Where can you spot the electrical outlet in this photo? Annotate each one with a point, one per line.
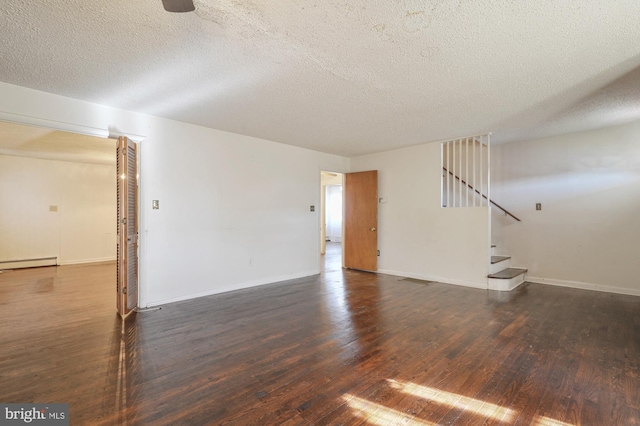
(378, 252)
(155, 204)
(312, 208)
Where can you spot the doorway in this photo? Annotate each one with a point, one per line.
(59, 198)
(331, 217)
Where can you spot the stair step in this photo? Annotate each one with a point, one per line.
(507, 274)
(496, 259)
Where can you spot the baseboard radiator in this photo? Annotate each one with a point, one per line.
(28, 263)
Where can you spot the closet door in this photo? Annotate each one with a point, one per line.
(127, 263)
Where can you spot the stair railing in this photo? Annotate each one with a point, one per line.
(466, 163)
(506, 212)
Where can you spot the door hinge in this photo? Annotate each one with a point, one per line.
(124, 290)
(124, 220)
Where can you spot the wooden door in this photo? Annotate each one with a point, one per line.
(127, 275)
(361, 221)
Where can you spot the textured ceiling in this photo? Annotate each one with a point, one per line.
(36, 142)
(346, 77)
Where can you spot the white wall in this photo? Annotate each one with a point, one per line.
(234, 210)
(83, 227)
(587, 234)
(417, 237)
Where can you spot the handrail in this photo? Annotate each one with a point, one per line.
(506, 212)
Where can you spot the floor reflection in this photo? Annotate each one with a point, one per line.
(335, 304)
(351, 305)
(124, 372)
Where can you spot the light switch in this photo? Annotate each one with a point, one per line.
(155, 204)
(538, 206)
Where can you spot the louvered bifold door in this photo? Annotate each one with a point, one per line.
(127, 281)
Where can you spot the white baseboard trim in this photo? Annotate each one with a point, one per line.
(426, 277)
(233, 287)
(29, 263)
(81, 261)
(584, 286)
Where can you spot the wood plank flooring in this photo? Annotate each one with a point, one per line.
(342, 348)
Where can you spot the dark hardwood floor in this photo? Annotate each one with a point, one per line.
(342, 348)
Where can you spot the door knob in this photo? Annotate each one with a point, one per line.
(372, 229)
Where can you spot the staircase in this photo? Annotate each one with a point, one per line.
(501, 276)
(465, 183)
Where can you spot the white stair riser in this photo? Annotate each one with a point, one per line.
(505, 284)
(497, 267)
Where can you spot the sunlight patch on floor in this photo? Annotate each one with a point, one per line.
(453, 400)
(380, 415)
(547, 421)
